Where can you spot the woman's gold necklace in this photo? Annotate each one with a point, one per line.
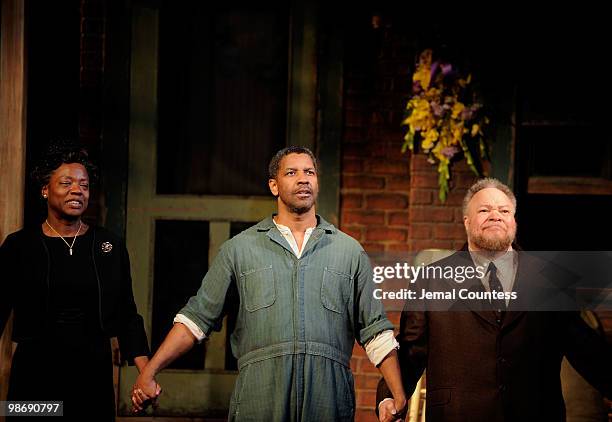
(73, 240)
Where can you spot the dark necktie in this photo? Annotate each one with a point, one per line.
(499, 303)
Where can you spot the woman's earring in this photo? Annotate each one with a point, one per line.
(45, 195)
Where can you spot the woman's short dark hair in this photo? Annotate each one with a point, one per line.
(274, 165)
(62, 152)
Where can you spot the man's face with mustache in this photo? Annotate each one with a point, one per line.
(490, 223)
(296, 185)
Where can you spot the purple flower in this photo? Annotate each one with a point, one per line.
(449, 152)
(437, 109)
(467, 113)
(434, 69)
(447, 68)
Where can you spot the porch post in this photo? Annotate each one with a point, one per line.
(12, 142)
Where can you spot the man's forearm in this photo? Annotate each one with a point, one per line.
(390, 370)
(178, 341)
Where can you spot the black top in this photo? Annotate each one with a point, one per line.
(73, 288)
(67, 325)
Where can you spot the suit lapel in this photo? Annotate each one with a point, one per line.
(524, 277)
(482, 308)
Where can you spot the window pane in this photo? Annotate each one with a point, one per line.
(222, 96)
(236, 227)
(181, 261)
(565, 150)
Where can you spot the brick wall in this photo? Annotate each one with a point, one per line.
(434, 224)
(389, 199)
(375, 185)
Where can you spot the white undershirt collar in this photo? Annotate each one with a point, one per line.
(286, 232)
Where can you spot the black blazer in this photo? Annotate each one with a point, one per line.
(479, 370)
(24, 287)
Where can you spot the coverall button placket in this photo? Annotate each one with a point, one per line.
(299, 269)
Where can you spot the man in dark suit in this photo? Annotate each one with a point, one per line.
(494, 359)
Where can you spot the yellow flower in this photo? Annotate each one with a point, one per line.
(437, 151)
(475, 129)
(458, 130)
(444, 138)
(412, 103)
(457, 109)
(432, 94)
(420, 118)
(422, 75)
(430, 137)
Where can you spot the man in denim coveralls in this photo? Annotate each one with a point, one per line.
(305, 291)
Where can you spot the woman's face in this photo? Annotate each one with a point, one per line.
(68, 191)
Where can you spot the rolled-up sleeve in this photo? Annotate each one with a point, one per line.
(191, 326)
(206, 308)
(380, 346)
(371, 318)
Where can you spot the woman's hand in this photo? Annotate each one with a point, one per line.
(146, 390)
(392, 410)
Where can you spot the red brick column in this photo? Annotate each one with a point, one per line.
(375, 195)
(389, 200)
(433, 224)
(387, 210)
(375, 187)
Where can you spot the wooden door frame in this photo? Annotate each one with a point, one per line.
(12, 142)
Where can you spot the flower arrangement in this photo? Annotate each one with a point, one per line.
(444, 119)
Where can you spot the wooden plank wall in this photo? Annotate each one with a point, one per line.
(12, 141)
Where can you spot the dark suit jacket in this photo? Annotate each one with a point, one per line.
(479, 370)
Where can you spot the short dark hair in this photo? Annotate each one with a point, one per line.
(487, 182)
(274, 165)
(64, 151)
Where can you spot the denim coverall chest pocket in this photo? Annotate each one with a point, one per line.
(258, 288)
(336, 290)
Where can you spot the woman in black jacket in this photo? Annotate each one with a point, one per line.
(69, 286)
